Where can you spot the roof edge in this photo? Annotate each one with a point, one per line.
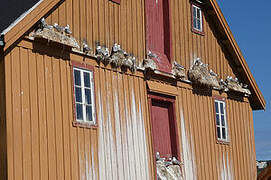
(14, 23)
(221, 18)
(30, 17)
(27, 20)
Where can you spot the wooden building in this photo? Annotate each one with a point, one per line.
(124, 89)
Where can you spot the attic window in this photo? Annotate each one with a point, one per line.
(83, 86)
(197, 24)
(221, 120)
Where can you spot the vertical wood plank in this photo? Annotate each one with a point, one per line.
(56, 78)
(33, 87)
(66, 120)
(17, 123)
(25, 110)
(9, 115)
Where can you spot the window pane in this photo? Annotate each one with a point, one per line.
(223, 120)
(221, 108)
(77, 78)
(218, 133)
(88, 96)
(198, 13)
(194, 23)
(216, 107)
(87, 79)
(78, 94)
(217, 119)
(223, 133)
(89, 113)
(194, 12)
(79, 111)
(199, 24)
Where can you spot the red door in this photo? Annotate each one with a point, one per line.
(158, 31)
(164, 133)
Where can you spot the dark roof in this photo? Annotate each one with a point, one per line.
(10, 10)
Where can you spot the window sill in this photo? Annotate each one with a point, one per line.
(222, 142)
(198, 32)
(87, 125)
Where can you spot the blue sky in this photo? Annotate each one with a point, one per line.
(250, 22)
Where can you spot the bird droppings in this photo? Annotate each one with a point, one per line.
(226, 172)
(190, 171)
(55, 33)
(126, 157)
(199, 73)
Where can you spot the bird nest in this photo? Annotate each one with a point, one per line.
(56, 34)
(200, 74)
(168, 169)
(235, 85)
(178, 71)
(168, 172)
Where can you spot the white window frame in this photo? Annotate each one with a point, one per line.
(195, 18)
(84, 101)
(220, 126)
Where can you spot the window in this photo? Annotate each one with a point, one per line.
(158, 32)
(84, 96)
(221, 121)
(197, 25)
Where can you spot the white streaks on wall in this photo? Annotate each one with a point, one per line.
(82, 171)
(93, 165)
(123, 152)
(111, 149)
(226, 168)
(118, 135)
(143, 139)
(101, 154)
(188, 152)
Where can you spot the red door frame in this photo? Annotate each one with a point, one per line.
(165, 66)
(172, 111)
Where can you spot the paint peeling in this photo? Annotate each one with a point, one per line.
(188, 153)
